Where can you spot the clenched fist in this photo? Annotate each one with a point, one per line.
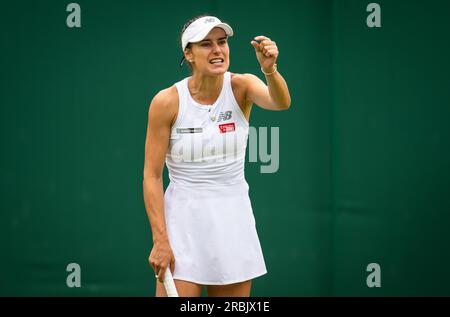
(266, 52)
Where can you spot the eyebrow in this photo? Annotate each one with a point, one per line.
(209, 40)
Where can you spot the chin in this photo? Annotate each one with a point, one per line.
(218, 70)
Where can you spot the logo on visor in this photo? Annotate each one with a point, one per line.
(210, 20)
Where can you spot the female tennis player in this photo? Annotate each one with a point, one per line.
(203, 226)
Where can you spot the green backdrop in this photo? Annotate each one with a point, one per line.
(364, 171)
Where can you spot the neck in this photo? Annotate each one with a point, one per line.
(205, 89)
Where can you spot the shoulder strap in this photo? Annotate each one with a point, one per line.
(232, 99)
(182, 99)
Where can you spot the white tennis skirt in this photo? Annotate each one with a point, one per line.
(212, 234)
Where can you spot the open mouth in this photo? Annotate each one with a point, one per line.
(216, 61)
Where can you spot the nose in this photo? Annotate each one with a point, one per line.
(216, 47)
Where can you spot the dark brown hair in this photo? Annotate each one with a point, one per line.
(185, 26)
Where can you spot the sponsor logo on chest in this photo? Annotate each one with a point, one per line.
(189, 130)
(227, 127)
(224, 116)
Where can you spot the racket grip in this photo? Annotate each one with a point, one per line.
(169, 284)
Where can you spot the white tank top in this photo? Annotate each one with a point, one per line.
(207, 142)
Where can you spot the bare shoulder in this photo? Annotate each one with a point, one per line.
(240, 80)
(240, 84)
(166, 98)
(164, 104)
(237, 78)
(243, 79)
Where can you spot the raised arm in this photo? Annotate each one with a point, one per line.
(161, 115)
(275, 95)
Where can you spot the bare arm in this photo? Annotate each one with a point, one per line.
(275, 95)
(160, 117)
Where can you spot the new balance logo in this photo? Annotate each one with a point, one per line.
(223, 116)
(210, 20)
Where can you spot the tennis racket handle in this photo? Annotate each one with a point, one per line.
(169, 284)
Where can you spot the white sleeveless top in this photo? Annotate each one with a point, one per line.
(208, 142)
(208, 212)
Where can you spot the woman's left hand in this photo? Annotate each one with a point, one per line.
(266, 52)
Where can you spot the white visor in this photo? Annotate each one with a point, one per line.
(200, 28)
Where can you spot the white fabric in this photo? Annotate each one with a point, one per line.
(200, 28)
(209, 217)
(208, 157)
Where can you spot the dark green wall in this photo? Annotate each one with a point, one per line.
(390, 148)
(364, 150)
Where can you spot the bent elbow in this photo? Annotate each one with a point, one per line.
(285, 105)
(288, 105)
